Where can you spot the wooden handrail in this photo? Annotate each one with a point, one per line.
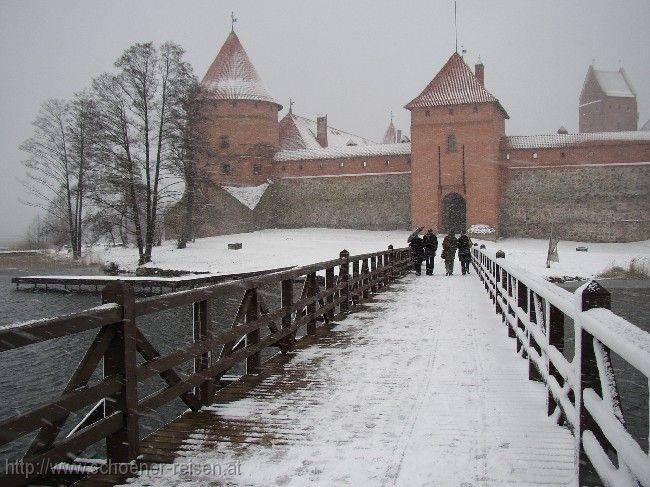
(119, 340)
(582, 391)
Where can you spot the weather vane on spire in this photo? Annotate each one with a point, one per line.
(456, 26)
(391, 116)
(233, 19)
(290, 105)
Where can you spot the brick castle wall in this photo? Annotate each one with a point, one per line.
(608, 203)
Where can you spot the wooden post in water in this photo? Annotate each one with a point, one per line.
(344, 277)
(120, 360)
(202, 331)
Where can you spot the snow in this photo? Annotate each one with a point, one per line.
(248, 196)
(548, 141)
(349, 175)
(480, 229)
(614, 83)
(298, 132)
(264, 249)
(530, 254)
(413, 390)
(345, 151)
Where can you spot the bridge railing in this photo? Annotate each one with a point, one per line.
(326, 290)
(581, 391)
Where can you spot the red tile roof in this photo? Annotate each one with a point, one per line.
(232, 76)
(455, 84)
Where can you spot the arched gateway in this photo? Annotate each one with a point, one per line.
(454, 213)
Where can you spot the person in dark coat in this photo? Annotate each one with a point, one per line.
(449, 246)
(417, 248)
(464, 252)
(430, 247)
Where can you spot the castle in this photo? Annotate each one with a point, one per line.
(458, 170)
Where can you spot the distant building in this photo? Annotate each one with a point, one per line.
(459, 169)
(607, 102)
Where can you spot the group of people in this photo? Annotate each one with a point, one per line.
(425, 248)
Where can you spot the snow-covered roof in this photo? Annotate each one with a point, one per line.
(564, 140)
(455, 84)
(297, 132)
(344, 151)
(614, 83)
(232, 76)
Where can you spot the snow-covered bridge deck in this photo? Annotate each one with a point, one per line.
(422, 387)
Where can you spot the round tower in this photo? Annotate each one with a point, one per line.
(241, 119)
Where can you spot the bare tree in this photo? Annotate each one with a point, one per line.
(140, 108)
(62, 152)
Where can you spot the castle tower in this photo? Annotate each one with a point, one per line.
(607, 102)
(456, 126)
(241, 117)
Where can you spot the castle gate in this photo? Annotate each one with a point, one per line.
(454, 213)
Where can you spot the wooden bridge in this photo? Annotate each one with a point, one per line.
(397, 380)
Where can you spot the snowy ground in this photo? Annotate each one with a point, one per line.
(531, 254)
(279, 248)
(422, 388)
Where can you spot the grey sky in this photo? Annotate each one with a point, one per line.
(354, 60)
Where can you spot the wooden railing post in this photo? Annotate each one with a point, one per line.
(254, 362)
(286, 300)
(593, 296)
(344, 277)
(311, 308)
(330, 283)
(555, 333)
(373, 270)
(365, 280)
(355, 285)
(202, 331)
(120, 361)
(391, 263)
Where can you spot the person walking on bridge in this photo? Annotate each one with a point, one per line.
(430, 247)
(449, 246)
(417, 249)
(464, 252)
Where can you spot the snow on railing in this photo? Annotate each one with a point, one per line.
(582, 391)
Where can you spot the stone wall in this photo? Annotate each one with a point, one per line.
(608, 203)
(378, 202)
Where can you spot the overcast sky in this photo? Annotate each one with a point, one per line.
(353, 60)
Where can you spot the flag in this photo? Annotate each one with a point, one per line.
(552, 256)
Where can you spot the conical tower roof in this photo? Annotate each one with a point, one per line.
(455, 84)
(390, 137)
(232, 76)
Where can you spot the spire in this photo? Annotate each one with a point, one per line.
(390, 136)
(233, 19)
(232, 76)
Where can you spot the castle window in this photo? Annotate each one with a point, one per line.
(320, 165)
(387, 162)
(224, 141)
(225, 168)
(451, 143)
(341, 165)
(534, 155)
(475, 109)
(257, 169)
(365, 164)
(300, 167)
(451, 111)
(508, 156)
(562, 154)
(408, 160)
(427, 113)
(284, 168)
(255, 104)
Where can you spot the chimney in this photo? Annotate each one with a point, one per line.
(321, 130)
(399, 136)
(479, 72)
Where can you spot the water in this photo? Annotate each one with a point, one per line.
(32, 375)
